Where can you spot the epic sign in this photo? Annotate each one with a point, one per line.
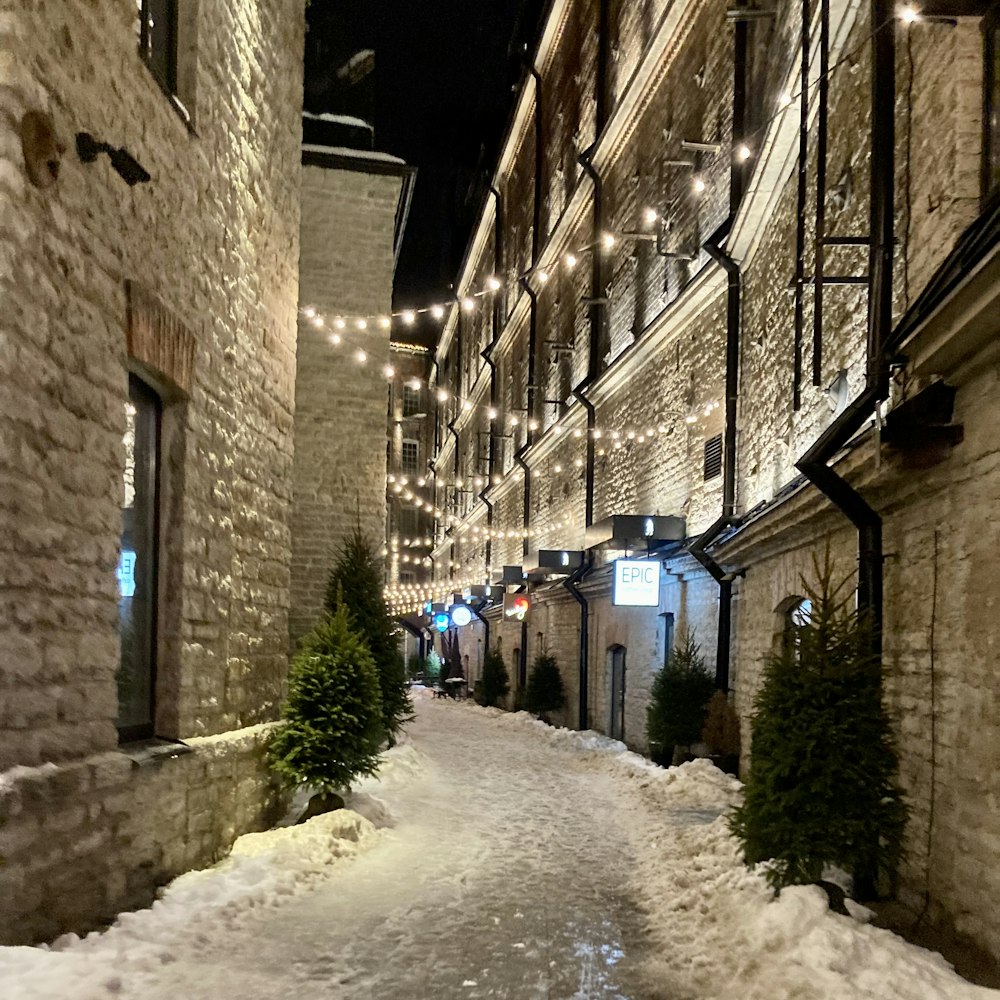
(637, 583)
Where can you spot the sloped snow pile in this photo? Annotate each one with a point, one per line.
(261, 871)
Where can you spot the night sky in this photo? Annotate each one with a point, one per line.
(440, 97)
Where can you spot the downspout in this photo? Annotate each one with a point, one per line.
(598, 322)
(699, 547)
(478, 612)
(727, 517)
(814, 464)
(570, 583)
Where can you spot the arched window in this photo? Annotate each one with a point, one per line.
(793, 615)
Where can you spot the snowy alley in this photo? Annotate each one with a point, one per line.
(495, 857)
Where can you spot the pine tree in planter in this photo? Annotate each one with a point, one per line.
(495, 683)
(821, 788)
(678, 699)
(332, 728)
(356, 583)
(545, 687)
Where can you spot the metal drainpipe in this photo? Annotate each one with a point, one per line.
(814, 463)
(570, 583)
(478, 612)
(728, 517)
(497, 321)
(529, 415)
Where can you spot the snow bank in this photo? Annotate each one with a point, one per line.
(262, 870)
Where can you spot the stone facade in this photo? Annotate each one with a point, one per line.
(659, 135)
(190, 282)
(350, 203)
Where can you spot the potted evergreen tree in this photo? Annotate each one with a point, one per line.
(495, 683)
(821, 789)
(545, 692)
(356, 583)
(332, 730)
(678, 699)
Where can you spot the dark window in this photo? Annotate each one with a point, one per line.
(158, 40)
(991, 105)
(409, 521)
(713, 457)
(410, 457)
(411, 400)
(668, 636)
(137, 565)
(407, 577)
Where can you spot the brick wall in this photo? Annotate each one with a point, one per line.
(340, 440)
(212, 239)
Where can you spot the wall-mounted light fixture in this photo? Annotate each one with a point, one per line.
(126, 165)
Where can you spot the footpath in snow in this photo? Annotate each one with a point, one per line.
(493, 857)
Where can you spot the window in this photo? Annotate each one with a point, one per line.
(409, 521)
(411, 400)
(795, 616)
(157, 30)
(713, 457)
(991, 104)
(668, 636)
(410, 457)
(137, 564)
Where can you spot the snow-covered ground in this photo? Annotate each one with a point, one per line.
(494, 857)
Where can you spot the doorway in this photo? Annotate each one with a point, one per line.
(616, 702)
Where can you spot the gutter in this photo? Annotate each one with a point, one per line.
(728, 516)
(814, 463)
(570, 584)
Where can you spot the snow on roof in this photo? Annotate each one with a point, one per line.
(339, 119)
(361, 154)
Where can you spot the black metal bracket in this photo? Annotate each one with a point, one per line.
(125, 164)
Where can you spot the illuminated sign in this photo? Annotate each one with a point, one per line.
(442, 621)
(515, 606)
(126, 573)
(636, 583)
(461, 615)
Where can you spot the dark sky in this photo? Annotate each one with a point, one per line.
(440, 97)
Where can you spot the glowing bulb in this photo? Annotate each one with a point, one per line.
(468, 304)
(514, 421)
(698, 184)
(493, 283)
(649, 216)
(409, 317)
(743, 152)
(360, 357)
(607, 241)
(557, 468)
(335, 339)
(690, 418)
(909, 14)
(570, 260)
(597, 433)
(491, 413)
(785, 100)
(466, 405)
(577, 433)
(437, 311)
(421, 481)
(317, 321)
(532, 425)
(340, 324)
(442, 396)
(384, 322)
(543, 276)
(389, 371)
(308, 312)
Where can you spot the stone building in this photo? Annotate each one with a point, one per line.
(640, 339)
(149, 212)
(354, 208)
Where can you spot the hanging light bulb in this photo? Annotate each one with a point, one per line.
(468, 304)
(389, 371)
(317, 321)
(532, 425)
(360, 357)
(743, 152)
(785, 100)
(437, 311)
(557, 468)
(409, 317)
(361, 324)
(493, 283)
(491, 413)
(442, 396)
(335, 339)
(698, 183)
(909, 14)
(466, 405)
(570, 260)
(543, 276)
(514, 421)
(649, 216)
(607, 241)
(340, 323)
(308, 312)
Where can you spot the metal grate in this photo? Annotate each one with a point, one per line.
(713, 457)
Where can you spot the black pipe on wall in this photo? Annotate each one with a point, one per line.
(814, 464)
(570, 583)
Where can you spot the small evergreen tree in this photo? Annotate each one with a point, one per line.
(545, 692)
(678, 699)
(821, 788)
(356, 583)
(332, 728)
(495, 682)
